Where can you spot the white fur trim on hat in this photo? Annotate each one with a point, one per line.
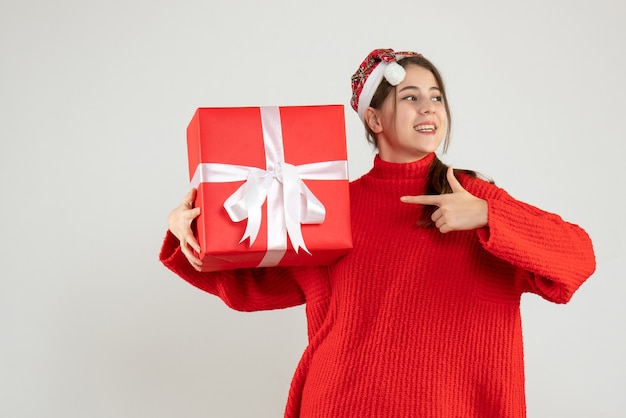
(393, 72)
(370, 86)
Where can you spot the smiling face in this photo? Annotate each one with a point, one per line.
(412, 121)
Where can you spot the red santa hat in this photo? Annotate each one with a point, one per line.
(378, 64)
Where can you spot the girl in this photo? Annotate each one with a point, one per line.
(422, 317)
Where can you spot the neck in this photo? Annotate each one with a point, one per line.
(402, 171)
(400, 158)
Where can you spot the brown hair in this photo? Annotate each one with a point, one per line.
(437, 179)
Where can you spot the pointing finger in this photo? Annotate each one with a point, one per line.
(422, 200)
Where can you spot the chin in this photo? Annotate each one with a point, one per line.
(430, 146)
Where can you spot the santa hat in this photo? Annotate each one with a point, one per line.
(378, 64)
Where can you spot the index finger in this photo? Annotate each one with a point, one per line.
(422, 200)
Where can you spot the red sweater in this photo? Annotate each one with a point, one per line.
(412, 322)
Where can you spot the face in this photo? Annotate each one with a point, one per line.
(417, 125)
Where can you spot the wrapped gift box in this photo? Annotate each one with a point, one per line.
(272, 184)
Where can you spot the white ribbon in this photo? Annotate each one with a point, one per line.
(290, 202)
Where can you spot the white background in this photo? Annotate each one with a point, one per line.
(95, 98)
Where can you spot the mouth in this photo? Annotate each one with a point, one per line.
(425, 127)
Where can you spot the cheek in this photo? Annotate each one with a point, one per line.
(442, 115)
(405, 114)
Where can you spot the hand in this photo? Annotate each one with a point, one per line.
(457, 211)
(179, 223)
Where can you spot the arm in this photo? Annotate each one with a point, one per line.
(244, 289)
(557, 256)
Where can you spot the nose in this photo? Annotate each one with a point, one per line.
(427, 107)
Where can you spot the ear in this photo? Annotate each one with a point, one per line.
(372, 118)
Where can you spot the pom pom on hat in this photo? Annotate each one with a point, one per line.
(394, 73)
(378, 64)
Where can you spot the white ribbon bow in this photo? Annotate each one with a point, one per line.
(290, 202)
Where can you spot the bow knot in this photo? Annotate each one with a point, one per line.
(298, 204)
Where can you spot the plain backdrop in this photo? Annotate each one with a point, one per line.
(95, 97)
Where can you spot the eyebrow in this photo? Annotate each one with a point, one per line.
(417, 88)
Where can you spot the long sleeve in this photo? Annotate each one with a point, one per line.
(556, 256)
(249, 289)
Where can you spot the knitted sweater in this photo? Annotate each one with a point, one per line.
(413, 322)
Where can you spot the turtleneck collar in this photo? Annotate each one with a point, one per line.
(401, 171)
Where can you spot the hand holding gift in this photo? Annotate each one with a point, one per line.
(179, 223)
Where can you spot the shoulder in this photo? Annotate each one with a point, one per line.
(477, 184)
(358, 182)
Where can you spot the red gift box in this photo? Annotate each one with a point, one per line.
(272, 184)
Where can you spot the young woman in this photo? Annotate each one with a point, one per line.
(422, 317)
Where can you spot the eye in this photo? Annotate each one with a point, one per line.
(410, 98)
(437, 99)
